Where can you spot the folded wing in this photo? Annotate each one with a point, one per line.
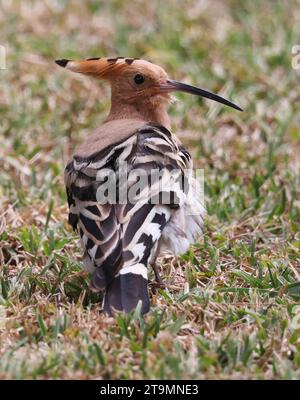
(120, 238)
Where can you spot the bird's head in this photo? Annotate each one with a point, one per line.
(137, 86)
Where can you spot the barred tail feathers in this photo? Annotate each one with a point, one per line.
(140, 241)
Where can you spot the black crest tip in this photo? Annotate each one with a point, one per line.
(62, 62)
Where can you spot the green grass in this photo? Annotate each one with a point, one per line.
(232, 304)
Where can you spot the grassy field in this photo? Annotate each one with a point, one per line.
(231, 308)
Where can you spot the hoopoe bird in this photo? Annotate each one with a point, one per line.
(121, 239)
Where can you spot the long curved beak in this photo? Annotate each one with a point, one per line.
(183, 87)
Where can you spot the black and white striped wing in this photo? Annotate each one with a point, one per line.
(120, 240)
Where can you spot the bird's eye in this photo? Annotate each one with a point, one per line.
(139, 79)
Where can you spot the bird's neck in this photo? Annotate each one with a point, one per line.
(149, 111)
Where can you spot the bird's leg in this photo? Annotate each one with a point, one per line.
(158, 281)
(157, 275)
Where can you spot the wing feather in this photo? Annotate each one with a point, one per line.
(122, 237)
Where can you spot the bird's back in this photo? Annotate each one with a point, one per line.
(122, 235)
